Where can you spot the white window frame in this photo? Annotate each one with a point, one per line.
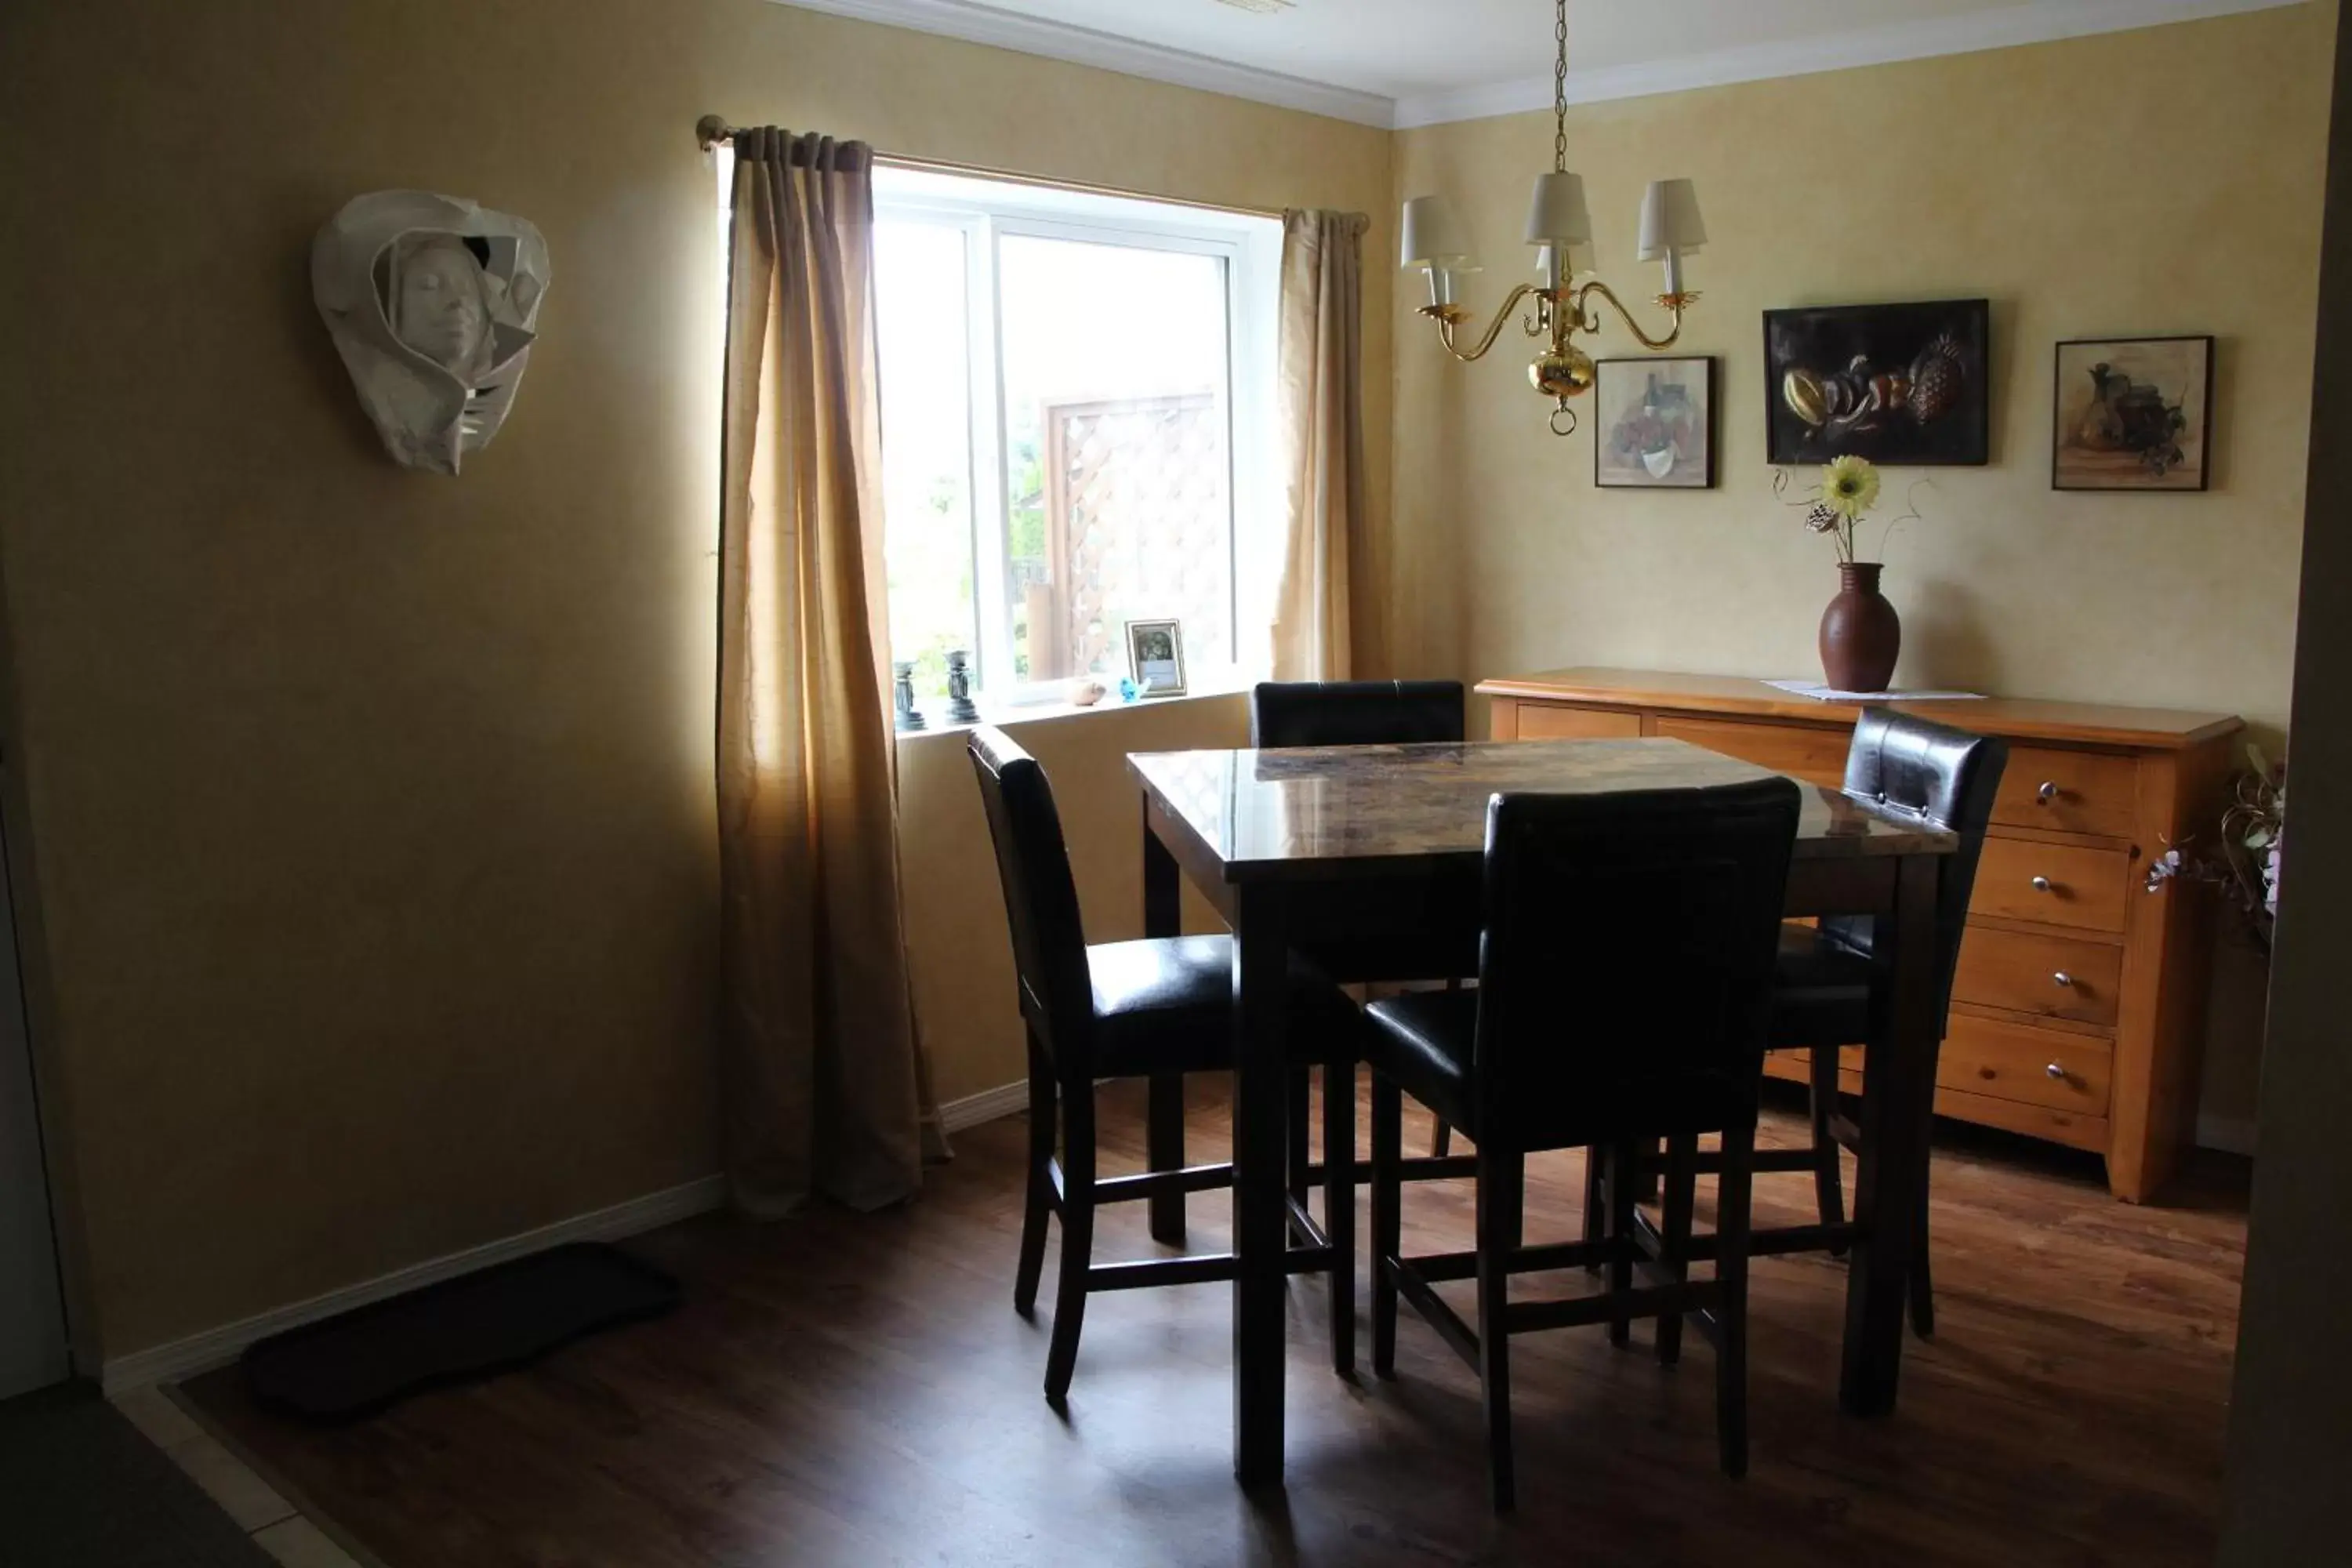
(988, 211)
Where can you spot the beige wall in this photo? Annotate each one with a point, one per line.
(372, 809)
(2162, 181)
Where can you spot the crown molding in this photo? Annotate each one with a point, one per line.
(2041, 22)
(976, 24)
(2035, 22)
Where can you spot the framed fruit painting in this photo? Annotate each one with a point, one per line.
(1899, 385)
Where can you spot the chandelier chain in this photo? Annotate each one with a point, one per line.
(1559, 88)
(1561, 307)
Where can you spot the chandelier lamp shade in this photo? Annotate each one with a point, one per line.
(1671, 227)
(1560, 228)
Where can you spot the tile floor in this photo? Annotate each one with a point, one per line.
(277, 1526)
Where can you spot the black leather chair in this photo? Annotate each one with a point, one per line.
(1367, 713)
(1355, 713)
(1829, 989)
(1132, 1009)
(1624, 991)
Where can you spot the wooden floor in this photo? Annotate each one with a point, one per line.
(856, 1390)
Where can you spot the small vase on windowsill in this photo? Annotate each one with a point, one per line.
(1861, 636)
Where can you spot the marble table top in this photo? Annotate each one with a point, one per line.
(1318, 811)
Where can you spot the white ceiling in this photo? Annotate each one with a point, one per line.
(1418, 62)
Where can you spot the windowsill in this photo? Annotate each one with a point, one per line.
(1008, 716)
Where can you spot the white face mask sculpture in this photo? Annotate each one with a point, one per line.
(431, 301)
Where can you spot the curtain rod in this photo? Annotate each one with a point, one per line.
(710, 131)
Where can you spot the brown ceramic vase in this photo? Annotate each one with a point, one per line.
(1861, 635)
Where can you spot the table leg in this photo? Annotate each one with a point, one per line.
(1162, 908)
(1261, 1229)
(1163, 1128)
(1897, 1116)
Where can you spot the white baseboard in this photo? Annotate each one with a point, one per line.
(1005, 1099)
(218, 1347)
(2232, 1134)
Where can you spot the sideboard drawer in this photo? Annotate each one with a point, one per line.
(1552, 721)
(2026, 972)
(2033, 1067)
(2074, 791)
(2058, 884)
(1799, 751)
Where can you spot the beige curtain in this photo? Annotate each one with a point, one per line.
(1320, 413)
(825, 1084)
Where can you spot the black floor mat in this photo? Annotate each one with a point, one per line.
(81, 1487)
(502, 1317)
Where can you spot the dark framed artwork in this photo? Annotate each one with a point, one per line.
(1653, 423)
(1899, 385)
(2133, 414)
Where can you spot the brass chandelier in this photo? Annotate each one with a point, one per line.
(1561, 228)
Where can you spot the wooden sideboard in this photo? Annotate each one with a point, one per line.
(2078, 1011)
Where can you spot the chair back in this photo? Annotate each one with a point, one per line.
(1040, 897)
(1625, 980)
(1355, 713)
(1946, 778)
(1361, 941)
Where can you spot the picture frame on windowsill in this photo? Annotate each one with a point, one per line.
(1155, 658)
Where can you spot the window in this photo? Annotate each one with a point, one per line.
(1077, 397)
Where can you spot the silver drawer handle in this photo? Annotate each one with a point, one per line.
(2063, 978)
(2040, 884)
(2056, 1070)
(2047, 793)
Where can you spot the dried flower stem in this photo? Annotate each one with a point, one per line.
(1910, 514)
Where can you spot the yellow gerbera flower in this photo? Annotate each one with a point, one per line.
(1850, 487)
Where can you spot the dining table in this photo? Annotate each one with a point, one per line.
(1293, 847)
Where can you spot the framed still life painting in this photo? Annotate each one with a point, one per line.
(2133, 414)
(1654, 424)
(1899, 385)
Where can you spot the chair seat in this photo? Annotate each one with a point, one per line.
(1165, 1004)
(1820, 992)
(1422, 1040)
(1351, 959)
(1390, 931)
(1820, 997)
